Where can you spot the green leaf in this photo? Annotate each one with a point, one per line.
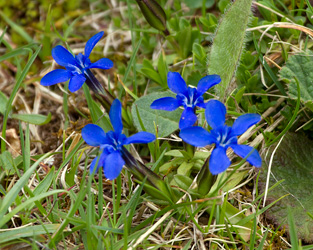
(228, 44)
(17, 52)
(152, 74)
(11, 195)
(96, 113)
(209, 22)
(299, 66)
(16, 87)
(163, 70)
(25, 142)
(185, 42)
(46, 41)
(267, 13)
(44, 185)
(239, 94)
(2, 34)
(183, 181)
(195, 4)
(132, 60)
(205, 179)
(19, 29)
(292, 230)
(199, 54)
(6, 161)
(174, 153)
(30, 231)
(234, 180)
(185, 168)
(26, 203)
(202, 155)
(292, 162)
(165, 121)
(167, 167)
(33, 118)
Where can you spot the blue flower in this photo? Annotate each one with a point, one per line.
(223, 136)
(77, 68)
(188, 97)
(111, 143)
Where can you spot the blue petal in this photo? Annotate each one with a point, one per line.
(243, 150)
(243, 122)
(188, 118)
(196, 136)
(215, 113)
(176, 83)
(207, 82)
(94, 135)
(103, 63)
(113, 165)
(116, 116)
(201, 105)
(100, 162)
(55, 76)
(92, 42)
(141, 137)
(76, 82)
(165, 103)
(62, 56)
(219, 161)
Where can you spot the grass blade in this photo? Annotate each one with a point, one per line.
(292, 231)
(13, 94)
(23, 232)
(12, 194)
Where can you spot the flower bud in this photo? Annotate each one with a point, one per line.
(154, 14)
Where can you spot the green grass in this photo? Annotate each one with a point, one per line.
(50, 200)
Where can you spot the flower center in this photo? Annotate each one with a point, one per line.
(190, 100)
(80, 64)
(224, 137)
(191, 96)
(116, 140)
(80, 59)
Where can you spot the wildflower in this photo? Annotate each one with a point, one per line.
(111, 143)
(188, 97)
(77, 68)
(223, 136)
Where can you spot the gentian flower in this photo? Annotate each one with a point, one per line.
(77, 68)
(188, 97)
(111, 143)
(223, 136)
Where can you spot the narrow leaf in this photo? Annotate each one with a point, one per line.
(33, 118)
(29, 231)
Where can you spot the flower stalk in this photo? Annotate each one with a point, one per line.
(103, 95)
(141, 172)
(205, 179)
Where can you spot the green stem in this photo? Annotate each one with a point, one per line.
(205, 179)
(153, 181)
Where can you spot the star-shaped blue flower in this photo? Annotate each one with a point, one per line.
(77, 68)
(111, 143)
(223, 136)
(188, 97)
